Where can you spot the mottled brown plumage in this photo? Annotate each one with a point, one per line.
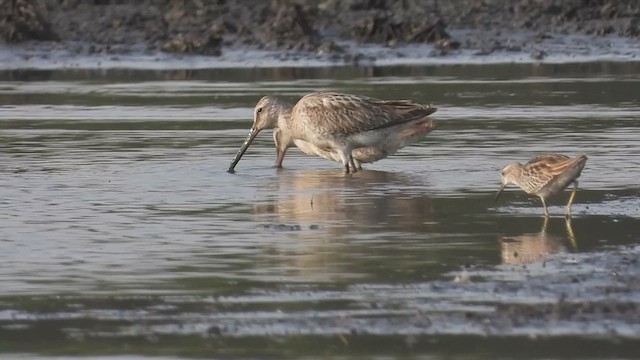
(334, 123)
(345, 114)
(545, 175)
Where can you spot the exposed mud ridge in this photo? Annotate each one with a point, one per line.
(22, 20)
(206, 27)
(586, 294)
(589, 295)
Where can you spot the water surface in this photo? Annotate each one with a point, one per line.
(122, 233)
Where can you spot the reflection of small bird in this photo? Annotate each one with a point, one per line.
(526, 248)
(544, 176)
(337, 124)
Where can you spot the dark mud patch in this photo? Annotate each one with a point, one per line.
(23, 20)
(287, 227)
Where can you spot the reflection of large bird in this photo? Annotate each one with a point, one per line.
(544, 176)
(328, 198)
(327, 208)
(526, 248)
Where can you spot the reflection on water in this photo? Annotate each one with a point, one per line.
(343, 202)
(502, 72)
(530, 247)
(339, 206)
(119, 224)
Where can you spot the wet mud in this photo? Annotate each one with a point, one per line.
(312, 28)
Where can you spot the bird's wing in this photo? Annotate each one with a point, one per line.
(544, 168)
(344, 114)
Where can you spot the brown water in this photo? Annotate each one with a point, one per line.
(122, 234)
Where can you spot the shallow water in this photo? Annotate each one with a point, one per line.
(122, 233)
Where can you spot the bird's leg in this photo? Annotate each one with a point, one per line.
(347, 167)
(346, 160)
(352, 164)
(544, 224)
(546, 212)
(567, 212)
(570, 233)
(279, 158)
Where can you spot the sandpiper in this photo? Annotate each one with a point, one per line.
(545, 175)
(334, 124)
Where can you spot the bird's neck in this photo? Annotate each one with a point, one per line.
(517, 175)
(284, 116)
(284, 120)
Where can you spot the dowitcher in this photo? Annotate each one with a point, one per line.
(544, 176)
(334, 124)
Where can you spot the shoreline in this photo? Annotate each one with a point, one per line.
(60, 56)
(47, 34)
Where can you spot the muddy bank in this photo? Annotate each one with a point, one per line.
(312, 28)
(585, 294)
(588, 296)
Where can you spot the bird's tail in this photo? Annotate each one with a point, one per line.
(415, 130)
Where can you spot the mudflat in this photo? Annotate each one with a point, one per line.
(322, 28)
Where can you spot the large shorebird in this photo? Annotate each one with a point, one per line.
(333, 125)
(544, 176)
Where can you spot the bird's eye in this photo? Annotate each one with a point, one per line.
(259, 110)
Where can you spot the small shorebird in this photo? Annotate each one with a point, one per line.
(404, 135)
(331, 124)
(544, 176)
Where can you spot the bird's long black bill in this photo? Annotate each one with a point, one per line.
(252, 135)
(499, 192)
